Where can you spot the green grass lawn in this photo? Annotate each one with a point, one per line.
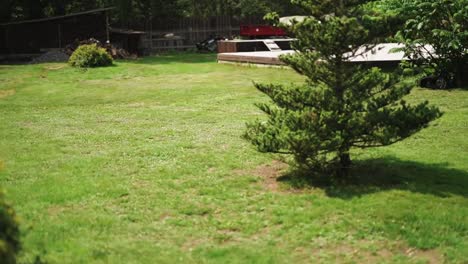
(143, 162)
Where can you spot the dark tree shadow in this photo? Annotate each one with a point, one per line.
(388, 173)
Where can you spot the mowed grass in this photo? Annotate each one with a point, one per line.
(144, 162)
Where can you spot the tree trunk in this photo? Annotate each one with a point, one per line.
(345, 163)
(461, 75)
(5, 11)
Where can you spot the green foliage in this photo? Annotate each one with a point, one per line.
(9, 232)
(88, 56)
(442, 24)
(131, 12)
(272, 18)
(388, 14)
(341, 105)
(393, 8)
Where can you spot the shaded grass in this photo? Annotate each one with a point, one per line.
(139, 163)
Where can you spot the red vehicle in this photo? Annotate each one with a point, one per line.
(261, 31)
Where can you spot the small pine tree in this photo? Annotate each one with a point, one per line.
(341, 105)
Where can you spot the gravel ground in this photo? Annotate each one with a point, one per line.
(51, 56)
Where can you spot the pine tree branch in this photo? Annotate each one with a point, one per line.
(281, 152)
(373, 145)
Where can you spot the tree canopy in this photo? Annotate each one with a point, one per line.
(128, 10)
(442, 24)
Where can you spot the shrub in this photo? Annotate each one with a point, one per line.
(87, 56)
(9, 232)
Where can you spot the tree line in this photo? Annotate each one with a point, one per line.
(131, 11)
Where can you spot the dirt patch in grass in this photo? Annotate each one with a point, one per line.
(165, 216)
(194, 243)
(269, 174)
(234, 236)
(57, 210)
(54, 67)
(432, 256)
(140, 183)
(360, 252)
(6, 93)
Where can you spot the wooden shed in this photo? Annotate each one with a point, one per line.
(127, 39)
(30, 36)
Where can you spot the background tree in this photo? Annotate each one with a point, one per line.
(341, 105)
(391, 14)
(442, 24)
(133, 11)
(6, 10)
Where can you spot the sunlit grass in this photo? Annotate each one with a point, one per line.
(143, 162)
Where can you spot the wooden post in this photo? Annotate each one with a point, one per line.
(151, 33)
(59, 26)
(230, 27)
(107, 27)
(6, 39)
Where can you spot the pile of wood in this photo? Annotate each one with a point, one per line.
(116, 53)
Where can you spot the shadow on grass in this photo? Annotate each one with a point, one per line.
(388, 173)
(178, 57)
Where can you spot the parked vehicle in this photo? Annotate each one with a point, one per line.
(261, 31)
(209, 44)
(442, 80)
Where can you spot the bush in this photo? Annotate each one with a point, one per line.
(87, 56)
(9, 232)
